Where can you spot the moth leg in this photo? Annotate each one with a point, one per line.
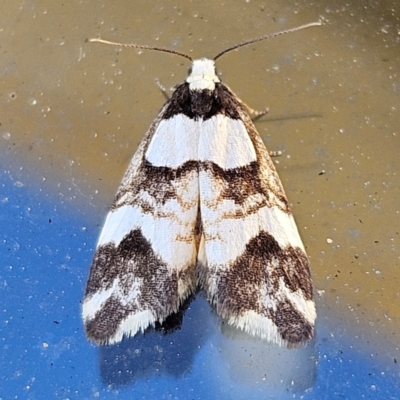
(163, 89)
(275, 153)
(255, 114)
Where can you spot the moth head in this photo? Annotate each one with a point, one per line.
(202, 75)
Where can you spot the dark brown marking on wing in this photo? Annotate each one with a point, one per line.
(132, 260)
(255, 276)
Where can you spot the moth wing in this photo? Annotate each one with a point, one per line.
(144, 264)
(252, 261)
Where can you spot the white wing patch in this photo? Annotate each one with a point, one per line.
(178, 140)
(174, 142)
(156, 229)
(232, 135)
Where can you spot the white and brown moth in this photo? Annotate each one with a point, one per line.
(201, 204)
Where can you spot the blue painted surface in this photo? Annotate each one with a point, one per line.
(46, 255)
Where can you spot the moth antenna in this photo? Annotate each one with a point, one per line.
(136, 46)
(269, 36)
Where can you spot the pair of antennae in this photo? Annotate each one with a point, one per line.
(269, 36)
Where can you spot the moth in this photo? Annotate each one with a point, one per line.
(201, 205)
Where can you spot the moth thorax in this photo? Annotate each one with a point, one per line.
(202, 75)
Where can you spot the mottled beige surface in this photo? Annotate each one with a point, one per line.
(72, 114)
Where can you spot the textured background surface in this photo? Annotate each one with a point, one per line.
(72, 114)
